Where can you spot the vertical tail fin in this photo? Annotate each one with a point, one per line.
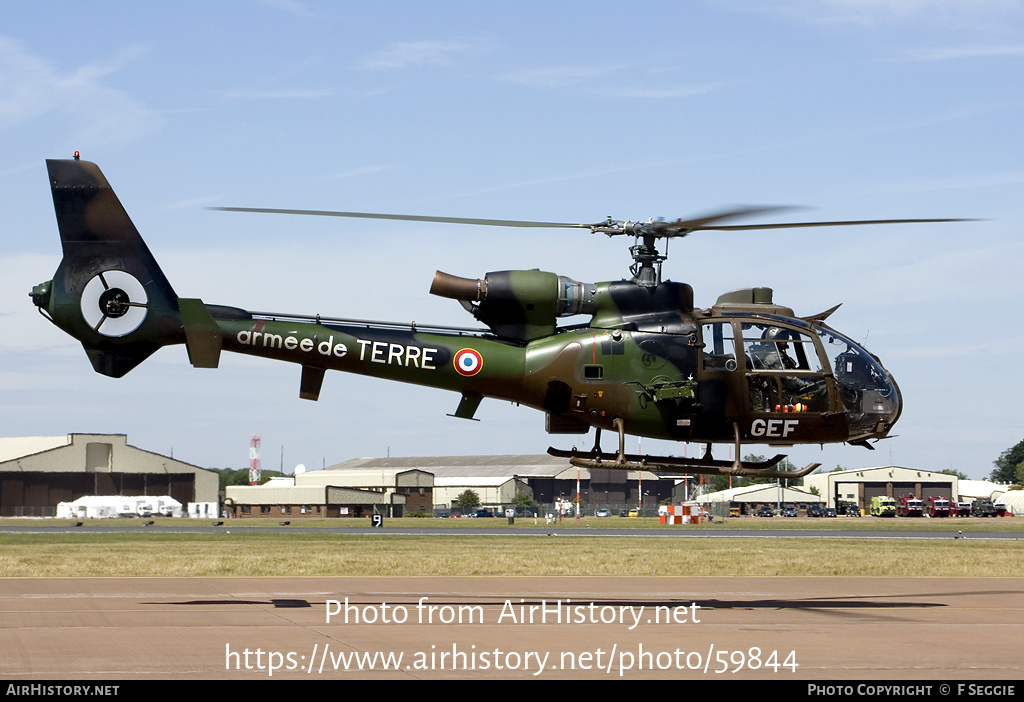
(108, 292)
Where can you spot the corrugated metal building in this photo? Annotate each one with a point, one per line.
(36, 473)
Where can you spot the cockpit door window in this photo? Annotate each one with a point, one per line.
(784, 371)
(719, 346)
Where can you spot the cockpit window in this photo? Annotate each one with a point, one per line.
(774, 348)
(784, 371)
(719, 346)
(867, 391)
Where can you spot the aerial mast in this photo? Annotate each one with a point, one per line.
(254, 461)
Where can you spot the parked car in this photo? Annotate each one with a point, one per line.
(765, 511)
(603, 512)
(815, 511)
(482, 513)
(789, 512)
(829, 512)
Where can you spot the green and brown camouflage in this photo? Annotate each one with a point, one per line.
(645, 362)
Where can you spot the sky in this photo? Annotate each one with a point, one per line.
(567, 111)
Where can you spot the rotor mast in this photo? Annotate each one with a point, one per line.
(646, 268)
(647, 260)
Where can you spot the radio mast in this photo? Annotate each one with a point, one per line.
(254, 461)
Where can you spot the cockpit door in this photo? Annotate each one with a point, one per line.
(720, 373)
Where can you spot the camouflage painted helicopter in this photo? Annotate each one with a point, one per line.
(646, 363)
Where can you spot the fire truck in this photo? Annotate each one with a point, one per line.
(883, 507)
(910, 506)
(939, 507)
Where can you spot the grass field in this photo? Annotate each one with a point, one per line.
(241, 551)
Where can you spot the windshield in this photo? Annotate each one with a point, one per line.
(868, 392)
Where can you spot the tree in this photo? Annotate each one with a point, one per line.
(231, 476)
(467, 500)
(1007, 463)
(521, 500)
(719, 482)
(784, 464)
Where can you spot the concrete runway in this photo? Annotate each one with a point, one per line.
(485, 628)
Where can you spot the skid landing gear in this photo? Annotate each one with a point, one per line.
(706, 465)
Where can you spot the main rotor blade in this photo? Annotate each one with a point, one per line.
(792, 225)
(695, 223)
(407, 218)
(658, 228)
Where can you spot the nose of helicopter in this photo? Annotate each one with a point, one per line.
(888, 406)
(872, 399)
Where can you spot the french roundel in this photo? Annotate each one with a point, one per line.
(468, 362)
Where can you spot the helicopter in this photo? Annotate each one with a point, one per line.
(646, 362)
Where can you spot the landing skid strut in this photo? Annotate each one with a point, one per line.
(706, 465)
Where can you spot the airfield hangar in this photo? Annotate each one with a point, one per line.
(859, 486)
(37, 473)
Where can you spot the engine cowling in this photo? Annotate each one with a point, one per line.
(520, 305)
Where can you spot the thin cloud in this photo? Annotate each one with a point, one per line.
(416, 53)
(873, 13)
(292, 7)
(559, 77)
(31, 88)
(359, 172)
(600, 81)
(295, 94)
(956, 53)
(666, 93)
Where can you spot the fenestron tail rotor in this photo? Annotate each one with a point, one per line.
(114, 303)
